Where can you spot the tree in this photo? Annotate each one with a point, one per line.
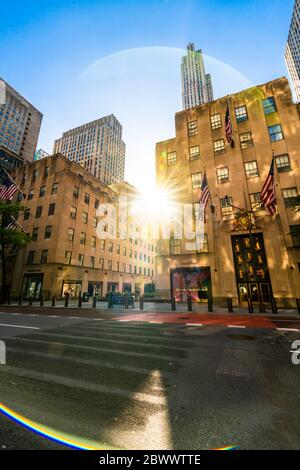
(11, 240)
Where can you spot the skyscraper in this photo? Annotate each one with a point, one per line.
(292, 50)
(98, 147)
(20, 124)
(196, 84)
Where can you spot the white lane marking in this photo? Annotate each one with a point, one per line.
(287, 329)
(99, 319)
(73, 318)
(194, 324)
(158, 322)
(20, 326)
(236, 326)
(123, 320)
(55, 316)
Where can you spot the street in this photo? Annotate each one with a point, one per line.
(120, 383)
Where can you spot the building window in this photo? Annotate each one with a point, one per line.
(35, 232)
(101, 263)
(82, 238)
(124, 250)
(48, 231)
(73, 212)
(93, 242)
(44, 256)
(51, 209)
(241, 113)
(275, 133)
(26, 214)
(295, 234)
(70, 234)
(102, 244)
(38, 212)
(30, 194)
(290, 196)
(269, 105)
(194, 152)
(76, 191)
(118, 249)
(215, 121)
(92, 262)
(202, 246)
(95, 222)
(30, 257)
(196, 207)
(226, 209)
(80, 259)
(96, 204)
(196, 180)
(192, 128)
(219, 147)
(42, 191)
(110, 247)
(283, 163)
(223, 174)
(251, 169)
(47, 169)
(172, 158)
(109, 264)
(173, 183)
(175, 246)
(68, 257)
(87, 198)
(124, 267)
(84, 217)
(54, 188)
(255, 201)
(246, 140)
(35, 175)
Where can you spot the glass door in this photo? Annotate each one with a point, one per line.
(265, 292)
(254, 292)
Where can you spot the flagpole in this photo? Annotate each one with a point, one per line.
(13, 182)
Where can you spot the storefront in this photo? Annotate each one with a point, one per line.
(112, 287)
(95, 288)
(32, 286)
(72, 287)
(126, 287)
(194, 282)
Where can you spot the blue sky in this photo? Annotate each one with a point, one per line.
(68, 59)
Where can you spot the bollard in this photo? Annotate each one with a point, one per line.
(30, 301)
(53, 301)
(210, 304)
(274, 306)
(250, 305)
(298, 305)
(126, 301)
(42, 301)
(262, 307)
(189, 303)
(141, 303)
(173, 304)
(229, 304)
(109, 300)
(20, 300)
(94, 301)
(80, 301)
(66, 300)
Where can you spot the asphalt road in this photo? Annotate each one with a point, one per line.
(134, 385)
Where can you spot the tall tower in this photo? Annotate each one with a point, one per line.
(196, 84)
(98, 147)
(292, 50)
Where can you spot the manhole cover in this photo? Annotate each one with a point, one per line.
(241, 337)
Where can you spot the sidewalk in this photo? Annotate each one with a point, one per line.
(149, 307)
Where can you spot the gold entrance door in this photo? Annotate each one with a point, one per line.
(265, 292)
(243, 294)
(254, 292)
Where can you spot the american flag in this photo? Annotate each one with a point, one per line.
(7, 189)
(204, 196)
(11, 224)
(228, 126)
(267, 195)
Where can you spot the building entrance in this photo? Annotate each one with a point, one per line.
(251, 269)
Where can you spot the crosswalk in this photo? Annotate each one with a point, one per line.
(107, 383)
